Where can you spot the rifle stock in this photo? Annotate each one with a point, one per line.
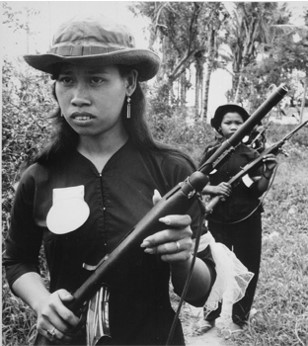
(176, 201)
(273, 149)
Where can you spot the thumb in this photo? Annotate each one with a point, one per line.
(64, 295)
(156, 197)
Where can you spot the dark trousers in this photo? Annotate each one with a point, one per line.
(244, 239)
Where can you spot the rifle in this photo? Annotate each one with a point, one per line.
(257, 143)
(254, 140)
(273, 149)
(178, 200)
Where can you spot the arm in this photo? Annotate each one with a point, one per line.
(201, 282)
(22, 246)
(269, 164)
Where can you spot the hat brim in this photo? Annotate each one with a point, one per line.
(224, 109)
(144, 61)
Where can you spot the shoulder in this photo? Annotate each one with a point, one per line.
(169, 167)
(32, 175)
(174, 160)
(209, 150)
(34, 171)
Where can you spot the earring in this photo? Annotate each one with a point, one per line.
(128, 108)
(62, 115)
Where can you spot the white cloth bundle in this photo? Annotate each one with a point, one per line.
(232, 280)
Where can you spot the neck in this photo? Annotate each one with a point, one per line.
(101, 148)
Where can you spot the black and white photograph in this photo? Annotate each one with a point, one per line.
(154, 173)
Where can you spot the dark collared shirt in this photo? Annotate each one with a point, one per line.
(243, 200)
(118, 197)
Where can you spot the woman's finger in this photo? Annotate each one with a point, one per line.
(55, 319)
(181, 256)
(54, 335)
(176, 221)
(61, 310)
(166, 236)
(156, 197)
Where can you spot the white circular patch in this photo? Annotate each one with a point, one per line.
(69, 210)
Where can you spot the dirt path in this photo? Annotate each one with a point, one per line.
(191, 319)
(211, 338)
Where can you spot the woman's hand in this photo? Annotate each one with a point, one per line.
(54, 319)
(223, 189)
(174, 243)
(269, 164)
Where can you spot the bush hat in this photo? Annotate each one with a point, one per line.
(95, 39)
(224, 109)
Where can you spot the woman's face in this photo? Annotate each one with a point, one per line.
(91, 97)
(230, 123)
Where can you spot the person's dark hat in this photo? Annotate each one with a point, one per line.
(224, 109)
(96, 39)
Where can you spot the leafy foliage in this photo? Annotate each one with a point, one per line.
(255, 37)
(26, 105)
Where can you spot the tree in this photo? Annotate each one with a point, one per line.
(18, 21)
(185, 31)
(214, 20)
(290, 54)
(250, 34)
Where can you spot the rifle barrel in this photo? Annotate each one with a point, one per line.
(247, 126)
(291, 133)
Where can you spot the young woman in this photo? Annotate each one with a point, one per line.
(236, 221)
(94, 182)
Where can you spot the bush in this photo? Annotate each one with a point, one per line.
(175, 125)
(27, 102)
(276, 132)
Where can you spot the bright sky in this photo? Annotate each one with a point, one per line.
(53, 13)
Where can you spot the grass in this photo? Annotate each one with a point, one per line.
(282, 296)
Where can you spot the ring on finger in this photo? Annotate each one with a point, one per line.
(178, 245)
(51, 332)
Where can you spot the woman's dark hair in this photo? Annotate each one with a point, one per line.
(64, 139)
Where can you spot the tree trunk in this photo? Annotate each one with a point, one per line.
(183, 89)
(209, 69)
(303, 101)
(238, 87)
(198, 86)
